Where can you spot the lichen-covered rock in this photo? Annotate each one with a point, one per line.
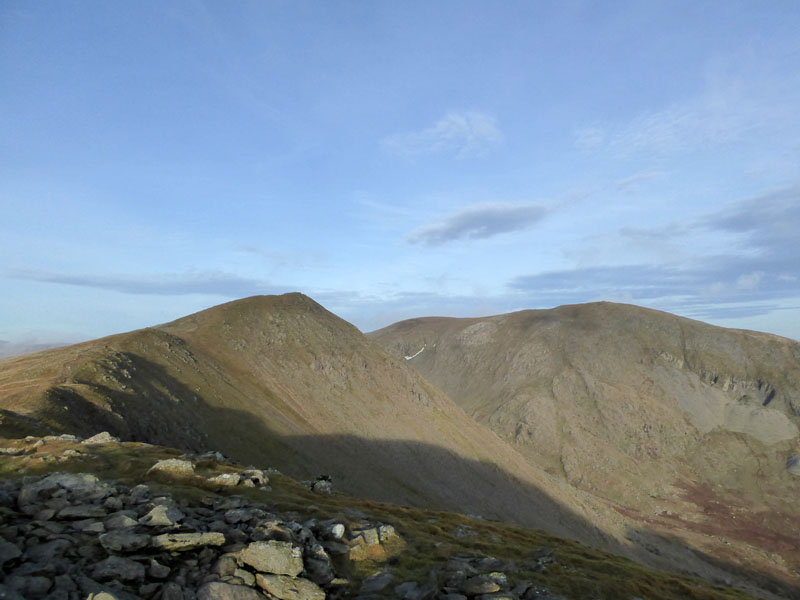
(225, 479)
(280, 558)
(289, 588)
(218, 590)
(173, 466)
(162, 516)
(481, 584)
(101, 438)
(178, 542)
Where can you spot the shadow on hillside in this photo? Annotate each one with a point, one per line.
(157, 408)
(662, 546)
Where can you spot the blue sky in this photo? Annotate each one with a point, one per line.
(396, 159)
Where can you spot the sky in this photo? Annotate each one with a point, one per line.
(396, 159)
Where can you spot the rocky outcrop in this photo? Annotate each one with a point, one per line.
(67, 536)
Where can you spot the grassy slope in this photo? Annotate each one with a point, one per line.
(629, 404)
(579, 571)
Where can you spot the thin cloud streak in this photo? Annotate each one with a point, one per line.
(460, 134)
(212, 283)
(479, 222)
(761, 270)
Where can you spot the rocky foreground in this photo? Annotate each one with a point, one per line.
(74, 536)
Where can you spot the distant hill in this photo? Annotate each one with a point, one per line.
(566, 436)
(686, 427)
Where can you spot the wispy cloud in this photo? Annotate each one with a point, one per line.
(460, 134)
(761, 269)
(210, 282)
(741, 101)
(479, 222)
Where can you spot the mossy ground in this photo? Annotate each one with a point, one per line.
(429, 537)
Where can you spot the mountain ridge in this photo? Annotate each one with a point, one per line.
(281, 379)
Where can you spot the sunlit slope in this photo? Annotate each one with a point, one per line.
(278, 379)
(686, 426)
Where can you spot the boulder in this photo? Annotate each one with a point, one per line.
(218, 590)
(377, 582)
(82, 511)
(289, 588)
(8, 551)
(124, 541)
(225, 479)
(177, 542)
(173, 466)
(162, 516)
(120, 521)
(481, 584)
(117, 567)
(280, 558)
(100, 438)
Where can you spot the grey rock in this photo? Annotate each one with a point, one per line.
(48, 485)
(246, 576)
(238, 515)
(335, 548)
(369, 536)
(289, 588)
(319, 567)
(411, 590)
(139, 493)
(12, 451)
(481, 584)
(158, 571)
(225, 479)
(48, 551)
(162, 516)
(65, 582)
(29, 587)
(90, 526)
(281, 558)
(377, 582)
(82, 511)
(8, 551)
(257, 476)
(322, 486)
(113, 503)
(124, 541)
(102, 596)
(173, 466)
(172, 591)
(120, 521)
(177, 542)
(226, 565)
(218, 590)
(117, 567)
(386, 532)
(148, 589)
(100, 438)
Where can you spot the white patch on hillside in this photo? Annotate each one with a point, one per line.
(415, 355)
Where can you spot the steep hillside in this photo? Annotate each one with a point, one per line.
(280, 380)
(689, 428)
